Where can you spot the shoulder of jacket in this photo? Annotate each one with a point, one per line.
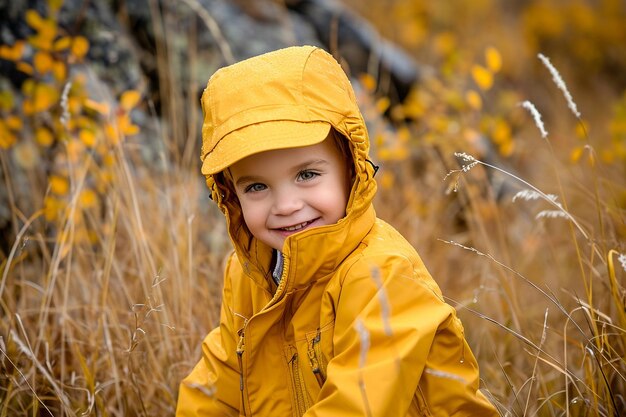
(381, 261)
(230, 261)
(373, 259)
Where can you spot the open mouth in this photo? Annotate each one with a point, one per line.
(296, 227)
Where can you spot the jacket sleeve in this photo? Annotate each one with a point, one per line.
(399, 349)
(212, 387)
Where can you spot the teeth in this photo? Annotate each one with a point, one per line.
(296, 227)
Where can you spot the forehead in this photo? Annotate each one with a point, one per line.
(263, 163)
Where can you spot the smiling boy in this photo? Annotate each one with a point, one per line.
(326, 309)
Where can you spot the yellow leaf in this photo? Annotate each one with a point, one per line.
(502, 132)
(125, 125)
(493, 59)
(102, 108)
(93, 238)
(87, 137)
(507, 148)
(51, 208)
(7, 138)
(413, 33)
(131, 130)
(75, 105)
(482, 77)
(445, 43)
(80, 46)
(62, 44)
(80, 234)
(111, 134)
(40, 42)
(18, 49)
(382, 104)
(28, 87)
(24, 67)
(43, 136)
(474, 100)
(397, 112)
(88, 198)
(13, 122)
(404, 135)
(6, 52)
(576, 153)
(368, 82)
(59, 70)
(59, 185)
(33, 19)
(12, 53)
(43, 62)
(384, 154)
(27, 107)
(129, 99)
(44, 97)
(48, 32)
(440, 124)
(6, 141)
(108, 160)
(6, 100)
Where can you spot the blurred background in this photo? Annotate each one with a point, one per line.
(111, 251)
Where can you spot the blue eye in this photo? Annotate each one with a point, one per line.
(255, 188)
(307, 175)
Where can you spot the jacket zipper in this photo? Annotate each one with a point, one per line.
(318, 363)
(240, 349)
(299, 389)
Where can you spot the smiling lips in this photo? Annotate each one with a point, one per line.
(296, 227)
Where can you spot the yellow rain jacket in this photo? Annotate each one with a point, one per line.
(357, 326)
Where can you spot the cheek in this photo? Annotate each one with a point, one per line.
(253, 215)
(335, 199)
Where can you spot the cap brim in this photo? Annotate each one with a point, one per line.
(261, 137)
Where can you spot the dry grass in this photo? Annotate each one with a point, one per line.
(103, 306)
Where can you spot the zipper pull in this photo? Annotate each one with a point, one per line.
(240, 349)
(240, 345)
(315, 366)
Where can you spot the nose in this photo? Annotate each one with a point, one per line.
(286, 201)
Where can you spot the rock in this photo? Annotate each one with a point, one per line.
(350, 37)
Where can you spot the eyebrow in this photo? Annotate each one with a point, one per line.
(300, 167)
(309, 163)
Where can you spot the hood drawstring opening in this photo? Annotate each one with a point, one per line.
(376, 167)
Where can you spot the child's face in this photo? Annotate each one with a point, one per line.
(285, 191)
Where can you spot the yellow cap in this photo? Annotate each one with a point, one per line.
(282, 99)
